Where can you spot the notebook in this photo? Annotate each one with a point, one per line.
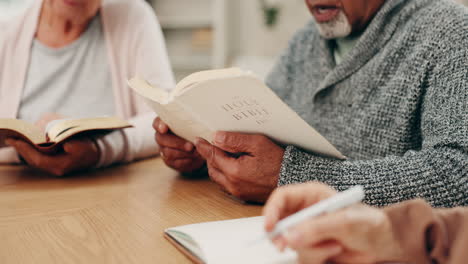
(231, 241)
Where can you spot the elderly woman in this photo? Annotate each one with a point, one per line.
(72, 58)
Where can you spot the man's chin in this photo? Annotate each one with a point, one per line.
(337, 28)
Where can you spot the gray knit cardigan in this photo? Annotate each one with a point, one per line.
(396, 105)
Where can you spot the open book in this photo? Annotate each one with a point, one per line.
(231, 241)
(57, 131)
(230, 100)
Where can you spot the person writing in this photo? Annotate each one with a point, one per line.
(410, 232)
(383, 81)
(72, 58)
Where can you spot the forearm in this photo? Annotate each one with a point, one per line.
(437, 175)
(130, 144)
(427, 235)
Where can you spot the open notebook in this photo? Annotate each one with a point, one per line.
(231, 241)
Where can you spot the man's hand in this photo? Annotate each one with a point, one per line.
(78, 154)
(176, 152)
(358, 234)
(246, 166)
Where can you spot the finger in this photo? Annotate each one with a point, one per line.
(160, 126)
(32, 156)
(219, 178)
(76, 146)
(292, 198)
(320, 254)
(183, 165)
(174, 142)
(280, 243)
(236, 142)
(156, 123)
(318, 230)
(175, 154)
(283, 202)
(25, 150)
(216, 157)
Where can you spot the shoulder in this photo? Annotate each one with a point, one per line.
(306, 35)
(14, 27)
(302, 44)
(133, 11)
(441, 25)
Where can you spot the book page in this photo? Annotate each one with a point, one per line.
(67, 128)
(146, 90)
(181, 122)
(235, 241)
(20, 129)
(245, 104)
(197, 77)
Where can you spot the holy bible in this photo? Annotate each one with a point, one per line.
(230, 100)
(57, 131)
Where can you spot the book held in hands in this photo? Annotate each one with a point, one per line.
(231, 100)
(57, 131)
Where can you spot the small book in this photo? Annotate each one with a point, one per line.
(231, 241)
(231, 100)
(57, 131)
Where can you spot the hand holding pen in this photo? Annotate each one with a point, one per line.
(352, 234)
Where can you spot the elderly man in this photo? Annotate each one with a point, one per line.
(72, 58)
(385, 81)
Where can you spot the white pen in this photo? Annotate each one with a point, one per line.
(334, 203)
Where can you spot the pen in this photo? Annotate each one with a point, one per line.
(334, 203)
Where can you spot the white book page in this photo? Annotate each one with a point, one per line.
(170, 111)
(244, 104)
(236, 241)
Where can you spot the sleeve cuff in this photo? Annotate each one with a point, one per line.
(297, 166)
(9, 155)
(112, 148)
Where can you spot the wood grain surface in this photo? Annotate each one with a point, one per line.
(116, 215)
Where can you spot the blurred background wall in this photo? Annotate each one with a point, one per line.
(204, 34)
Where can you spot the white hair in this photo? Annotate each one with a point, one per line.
(337, 28)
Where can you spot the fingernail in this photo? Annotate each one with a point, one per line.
(188, 146)
(220, 137)
(198, 142)
(161, 128)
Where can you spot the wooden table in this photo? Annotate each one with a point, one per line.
(116, 215)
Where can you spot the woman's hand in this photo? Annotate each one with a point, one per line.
(176, 152)
(358, 234)
(78, 154)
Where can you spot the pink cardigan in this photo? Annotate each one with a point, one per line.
(135, 44)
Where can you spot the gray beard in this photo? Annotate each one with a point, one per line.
(337, 28)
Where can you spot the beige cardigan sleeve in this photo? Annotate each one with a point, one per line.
(430, 235)
(150, 60)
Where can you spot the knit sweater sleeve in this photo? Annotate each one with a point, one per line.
(438, 172)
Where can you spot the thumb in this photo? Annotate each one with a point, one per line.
(70, 146)
(234, 142)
